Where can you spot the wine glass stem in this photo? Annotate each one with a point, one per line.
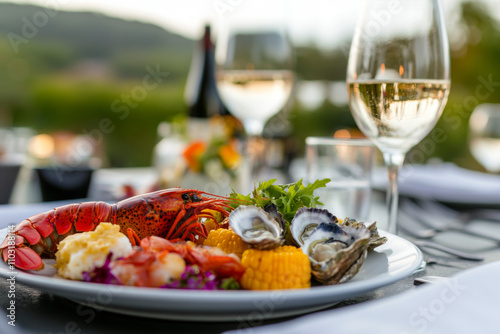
(394, 162)
(253, 154)
(256, 147)
(253, 128)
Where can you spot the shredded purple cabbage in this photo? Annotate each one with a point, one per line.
(102, 274)
(194, 279)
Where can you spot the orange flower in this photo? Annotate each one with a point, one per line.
(230, 157)
(193, 153)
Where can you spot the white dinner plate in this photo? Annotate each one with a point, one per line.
(395, 260)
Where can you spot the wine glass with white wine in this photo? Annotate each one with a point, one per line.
(398, 79)
(484, 136)
(254, 79)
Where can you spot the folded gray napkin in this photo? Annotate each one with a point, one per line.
(445, 182)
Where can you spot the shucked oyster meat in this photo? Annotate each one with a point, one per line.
(336, 253)
(306, 220)
(257, 227)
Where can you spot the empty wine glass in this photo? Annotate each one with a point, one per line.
(484, 136)
(254, 79)
(398, 79)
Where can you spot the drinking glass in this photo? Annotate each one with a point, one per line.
(348, 163)
(484, 136)
(254, 79)
(398, 79)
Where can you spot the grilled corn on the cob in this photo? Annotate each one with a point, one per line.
(226, 240)
(285, 267)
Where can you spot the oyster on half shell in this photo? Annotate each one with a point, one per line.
(255, 226)
(336, 250)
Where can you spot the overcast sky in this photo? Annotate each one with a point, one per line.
(325, 22)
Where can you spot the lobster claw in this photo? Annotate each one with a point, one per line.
(25, 258)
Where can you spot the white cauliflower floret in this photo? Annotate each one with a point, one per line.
(85, 251)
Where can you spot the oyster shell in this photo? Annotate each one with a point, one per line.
(257, 227)
(375, 238)
(272, 210)
(306, 220)
(336, 252)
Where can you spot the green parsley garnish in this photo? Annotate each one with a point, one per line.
(288, 197)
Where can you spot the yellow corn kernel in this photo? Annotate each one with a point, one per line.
(226, 240)
(285, 267)
(210, 223)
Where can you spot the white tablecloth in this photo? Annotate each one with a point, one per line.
(467, 303)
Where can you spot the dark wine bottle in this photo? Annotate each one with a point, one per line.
(201, 92)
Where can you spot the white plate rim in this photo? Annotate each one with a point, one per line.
(218, 305)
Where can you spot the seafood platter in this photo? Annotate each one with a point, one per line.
(177, 240)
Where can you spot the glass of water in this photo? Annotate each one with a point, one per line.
(348, 163)
(484, 136)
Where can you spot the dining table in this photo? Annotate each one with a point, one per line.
(40, 311)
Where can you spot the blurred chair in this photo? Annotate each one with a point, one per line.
(13, 155)
(64, 164)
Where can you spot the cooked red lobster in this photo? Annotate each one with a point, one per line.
(172, 214)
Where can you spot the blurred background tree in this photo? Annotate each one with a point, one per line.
(81, 67)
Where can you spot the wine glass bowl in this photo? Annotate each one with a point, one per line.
(398, 79)
(254, 75)
(484, 136)
(254, 79)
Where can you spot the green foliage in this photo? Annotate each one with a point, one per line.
(69, 75)
(472, 64)
(289, 198)
(89, 35)
(314, 64)
(80, 107)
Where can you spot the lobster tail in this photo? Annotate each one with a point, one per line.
(24, 258)
(81, 217)
(15, 252)
(40, 234)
